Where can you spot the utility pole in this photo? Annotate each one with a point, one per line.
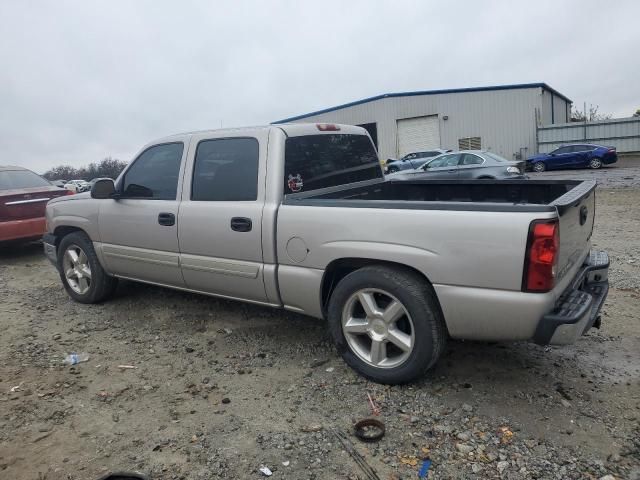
(585, 121)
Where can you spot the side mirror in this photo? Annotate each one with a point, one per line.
(103, 188)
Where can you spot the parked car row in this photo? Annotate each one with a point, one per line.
(482, 164)
(573, 156)
(411, 161)
(465, 165)
(78, 186)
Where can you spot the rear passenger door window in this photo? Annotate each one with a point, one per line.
(226, 169)
(154, 174)
(469, 159)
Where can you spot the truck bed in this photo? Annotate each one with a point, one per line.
(491, 195)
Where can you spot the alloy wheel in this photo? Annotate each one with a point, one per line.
(378, 328)
(77, 269)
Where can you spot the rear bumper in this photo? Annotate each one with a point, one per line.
(31, 228)
(578, 308)
(50, 249)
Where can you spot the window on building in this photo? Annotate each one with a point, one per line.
(470, 143)
(226, 169)
(154, 174)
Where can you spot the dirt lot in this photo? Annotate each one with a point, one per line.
(222, 388)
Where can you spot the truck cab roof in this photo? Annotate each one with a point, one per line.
(290, 129)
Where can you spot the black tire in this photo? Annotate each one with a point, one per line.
(539, 167)
(102, 286)
(419, 300)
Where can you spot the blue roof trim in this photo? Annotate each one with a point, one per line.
(427, 92)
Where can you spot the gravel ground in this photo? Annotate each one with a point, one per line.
(220, 389)
(606, 177)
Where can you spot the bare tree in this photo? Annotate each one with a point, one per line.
(107, 168)
(590, 115)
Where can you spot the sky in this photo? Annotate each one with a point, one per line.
(80, 81)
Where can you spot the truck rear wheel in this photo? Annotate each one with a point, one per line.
(386, 323)
(83, 277)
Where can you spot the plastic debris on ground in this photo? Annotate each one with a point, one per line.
(16, 388)
(75, 358)
(266, 471)
(424, 469)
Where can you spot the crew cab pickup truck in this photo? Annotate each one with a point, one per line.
(300, 217)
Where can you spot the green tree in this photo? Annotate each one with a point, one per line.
(637, 114)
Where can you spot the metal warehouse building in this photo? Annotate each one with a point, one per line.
(502, 119)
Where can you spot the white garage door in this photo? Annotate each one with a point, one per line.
(418, 134)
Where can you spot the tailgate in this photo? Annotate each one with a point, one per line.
(576, 211)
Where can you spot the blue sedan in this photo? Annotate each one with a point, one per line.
(573, 156)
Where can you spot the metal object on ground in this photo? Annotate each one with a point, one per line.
(369, 430)
(124, 476)
(368, 470)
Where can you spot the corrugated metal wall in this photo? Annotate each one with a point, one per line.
(622, 133)
(504, 119)
(554, 109)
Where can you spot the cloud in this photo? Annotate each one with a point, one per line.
(84, 80)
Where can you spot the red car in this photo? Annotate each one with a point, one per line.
(23, 198)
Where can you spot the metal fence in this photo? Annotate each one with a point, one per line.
(622, 133)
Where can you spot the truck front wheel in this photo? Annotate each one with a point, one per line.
(386, 323)
(83, 277)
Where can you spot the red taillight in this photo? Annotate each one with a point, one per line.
(612, 150)
(327, 127)
(70, 192)
(542, 256)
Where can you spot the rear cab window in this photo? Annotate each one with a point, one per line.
(16, 179)
(320, 161)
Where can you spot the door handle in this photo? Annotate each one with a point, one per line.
(166, 219)
(241, 224)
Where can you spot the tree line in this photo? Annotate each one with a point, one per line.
(106, 168)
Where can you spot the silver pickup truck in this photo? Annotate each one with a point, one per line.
(300, 217)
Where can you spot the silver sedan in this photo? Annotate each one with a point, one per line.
(465, 165)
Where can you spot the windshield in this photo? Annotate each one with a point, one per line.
(12, 179)
(495, 157)
(320, 161)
